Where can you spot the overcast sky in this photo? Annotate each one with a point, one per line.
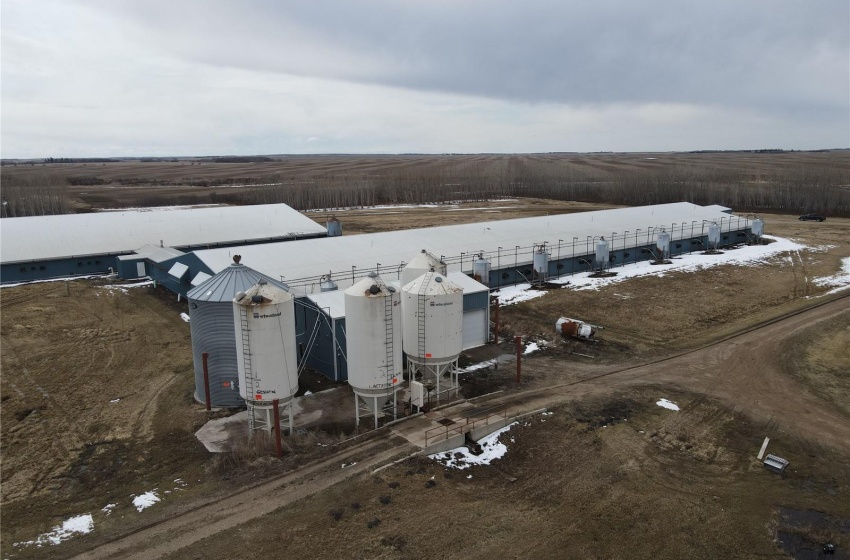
(154, 77)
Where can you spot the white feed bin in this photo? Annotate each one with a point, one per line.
(264, 320)
(758, 228)
(432, 319)
(373, 342)
(540, 263)
(419, 265)
(603, 253)
(662, 243)
(713, 236)
(481, 270)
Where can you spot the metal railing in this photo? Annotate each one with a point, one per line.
(442, 433)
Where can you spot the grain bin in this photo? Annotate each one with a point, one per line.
(264, 321)
(432, 319)
(373, 343)
(213, 333)
(419, 265)
(481, 269)
(334, 227)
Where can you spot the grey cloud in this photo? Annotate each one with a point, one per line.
(765, 54)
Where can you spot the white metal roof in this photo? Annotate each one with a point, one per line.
(332, 302)
(150, 252)
(70, 235)
(304, 262)
(469, 285)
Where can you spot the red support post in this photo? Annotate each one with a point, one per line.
(518, 341)
(277, 443)
(206, 357)
(496, 330)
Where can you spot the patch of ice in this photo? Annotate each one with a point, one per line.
(664, 403)
(532, 347)
(125, 287)
(79, 524)
(460, 457)
(145, 500)
(838, 281)
(479, 365)
(185, 317)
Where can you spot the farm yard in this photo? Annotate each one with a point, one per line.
(101, 422)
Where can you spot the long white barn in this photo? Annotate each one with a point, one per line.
(507, 244)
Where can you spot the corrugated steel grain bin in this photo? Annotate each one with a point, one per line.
(213, 332)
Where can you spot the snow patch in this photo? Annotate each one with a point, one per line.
(479, 365)
(532, 347)
(80, 524)
(185, 317)
(510, 295)
(145, 500)
(460, 457)
(107, 509)
(838, 281)
(664, 403)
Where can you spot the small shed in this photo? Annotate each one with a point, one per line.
(775, 464)
(213, 331)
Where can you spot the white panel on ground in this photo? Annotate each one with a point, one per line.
(475, 328)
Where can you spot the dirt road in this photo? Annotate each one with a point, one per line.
(743, 371)
(164, 538)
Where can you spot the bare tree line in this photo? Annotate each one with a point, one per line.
(35, 194)
(795, 190)
(786, 186)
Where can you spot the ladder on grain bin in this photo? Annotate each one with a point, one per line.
(246, 364)
(389, 348)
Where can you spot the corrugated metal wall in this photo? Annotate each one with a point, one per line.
(213, 332)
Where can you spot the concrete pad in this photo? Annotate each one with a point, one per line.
(331, 406)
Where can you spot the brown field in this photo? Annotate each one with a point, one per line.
(787, 181)
(609, 475)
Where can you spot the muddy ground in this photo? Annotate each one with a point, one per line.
(70, 349)
(617, 477)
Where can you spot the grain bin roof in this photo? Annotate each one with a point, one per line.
(100, 233)
(224, 285)
(303, 263)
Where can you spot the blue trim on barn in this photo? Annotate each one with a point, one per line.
(27, 271)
